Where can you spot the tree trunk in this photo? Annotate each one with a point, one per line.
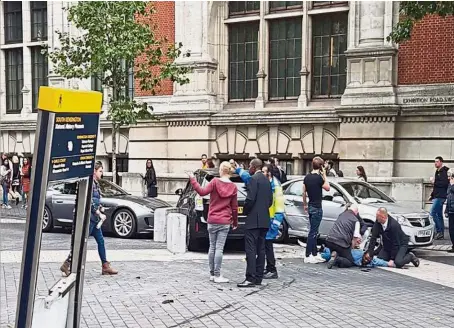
(114, 153)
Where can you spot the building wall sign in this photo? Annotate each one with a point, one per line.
(427, 100)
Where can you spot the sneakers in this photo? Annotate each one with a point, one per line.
(311, 259)
(331, 262)
(439, 236)
(221, 280)
(108, 270)
(271, 275)
(6, 206)
(211, 278)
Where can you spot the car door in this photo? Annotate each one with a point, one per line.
(331, 209)
(64, 201)
(295, 216)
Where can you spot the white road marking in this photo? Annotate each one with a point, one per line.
(14, 221)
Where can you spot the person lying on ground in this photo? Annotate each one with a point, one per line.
(361, 258)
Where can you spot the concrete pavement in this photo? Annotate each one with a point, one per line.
(159, 289)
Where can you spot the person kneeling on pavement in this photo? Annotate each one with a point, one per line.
(394, 241)
(347, 230)
(276, 217)
(361, 259)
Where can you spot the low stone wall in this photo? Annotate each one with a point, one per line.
(413, 192)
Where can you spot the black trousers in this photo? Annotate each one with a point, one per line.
(270, 259)
(344, 257)
(451, 228)
(254, 244)
(402, 256)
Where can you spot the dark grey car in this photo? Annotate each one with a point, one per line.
(126, 214)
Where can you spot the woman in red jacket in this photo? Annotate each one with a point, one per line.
(222, 214)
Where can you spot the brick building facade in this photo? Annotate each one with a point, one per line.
(286, 78)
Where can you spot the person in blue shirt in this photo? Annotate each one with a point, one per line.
(359, 259)
(276, 216)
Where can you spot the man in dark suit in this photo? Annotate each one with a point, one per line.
(258, 201)
(394, 241)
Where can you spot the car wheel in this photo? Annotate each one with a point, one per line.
(282, 236)
(124, 223)
(192, 243)
(48, 223)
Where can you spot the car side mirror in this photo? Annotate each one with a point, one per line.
(339, 200)
(179, 191)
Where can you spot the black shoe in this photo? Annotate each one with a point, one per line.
(246, 284)
(451, 250)
(439, 236)
(414, 259)
(271, 275)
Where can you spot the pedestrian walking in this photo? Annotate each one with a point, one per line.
(276, 217)
(258, 201)
(5, 179)
(222, 214)
(96, 216)
(26, 171)
(394, 241)
(210, 163)
(314, 182)
(344, 235)
(449, 211)
(438, 196)
(150, 179)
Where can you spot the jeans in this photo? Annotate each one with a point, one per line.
(5, 187)
(315, 217)
(218, 235)
(451, 228)
(437, 213)
(97, 234)
(344, 257)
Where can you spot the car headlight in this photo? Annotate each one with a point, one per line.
(431, 220)
(402, 220)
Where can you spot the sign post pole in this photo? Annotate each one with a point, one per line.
(65, 149)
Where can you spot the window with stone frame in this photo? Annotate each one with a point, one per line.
(13, 21)
(243, 61)
(238, 8)
(324, 4)
(329, 63)
(38, 17)
(96, 83)
(14, 72)
(285, 52)
(284, 5)
(40, 73)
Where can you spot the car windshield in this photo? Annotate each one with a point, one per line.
(108, 189)
(365, 192)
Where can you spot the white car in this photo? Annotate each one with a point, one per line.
(416, 223)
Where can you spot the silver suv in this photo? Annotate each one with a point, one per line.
(416, 223)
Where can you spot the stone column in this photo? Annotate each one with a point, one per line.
(371, 23)
(370, 60)
(27, 90)
(303, 98)
(262, 50)
(192, 27)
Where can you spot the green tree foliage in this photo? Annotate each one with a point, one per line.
(114, 34)
(413, 11)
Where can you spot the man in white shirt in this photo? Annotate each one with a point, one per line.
(343, 236)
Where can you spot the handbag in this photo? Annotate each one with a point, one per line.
(16, 182)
